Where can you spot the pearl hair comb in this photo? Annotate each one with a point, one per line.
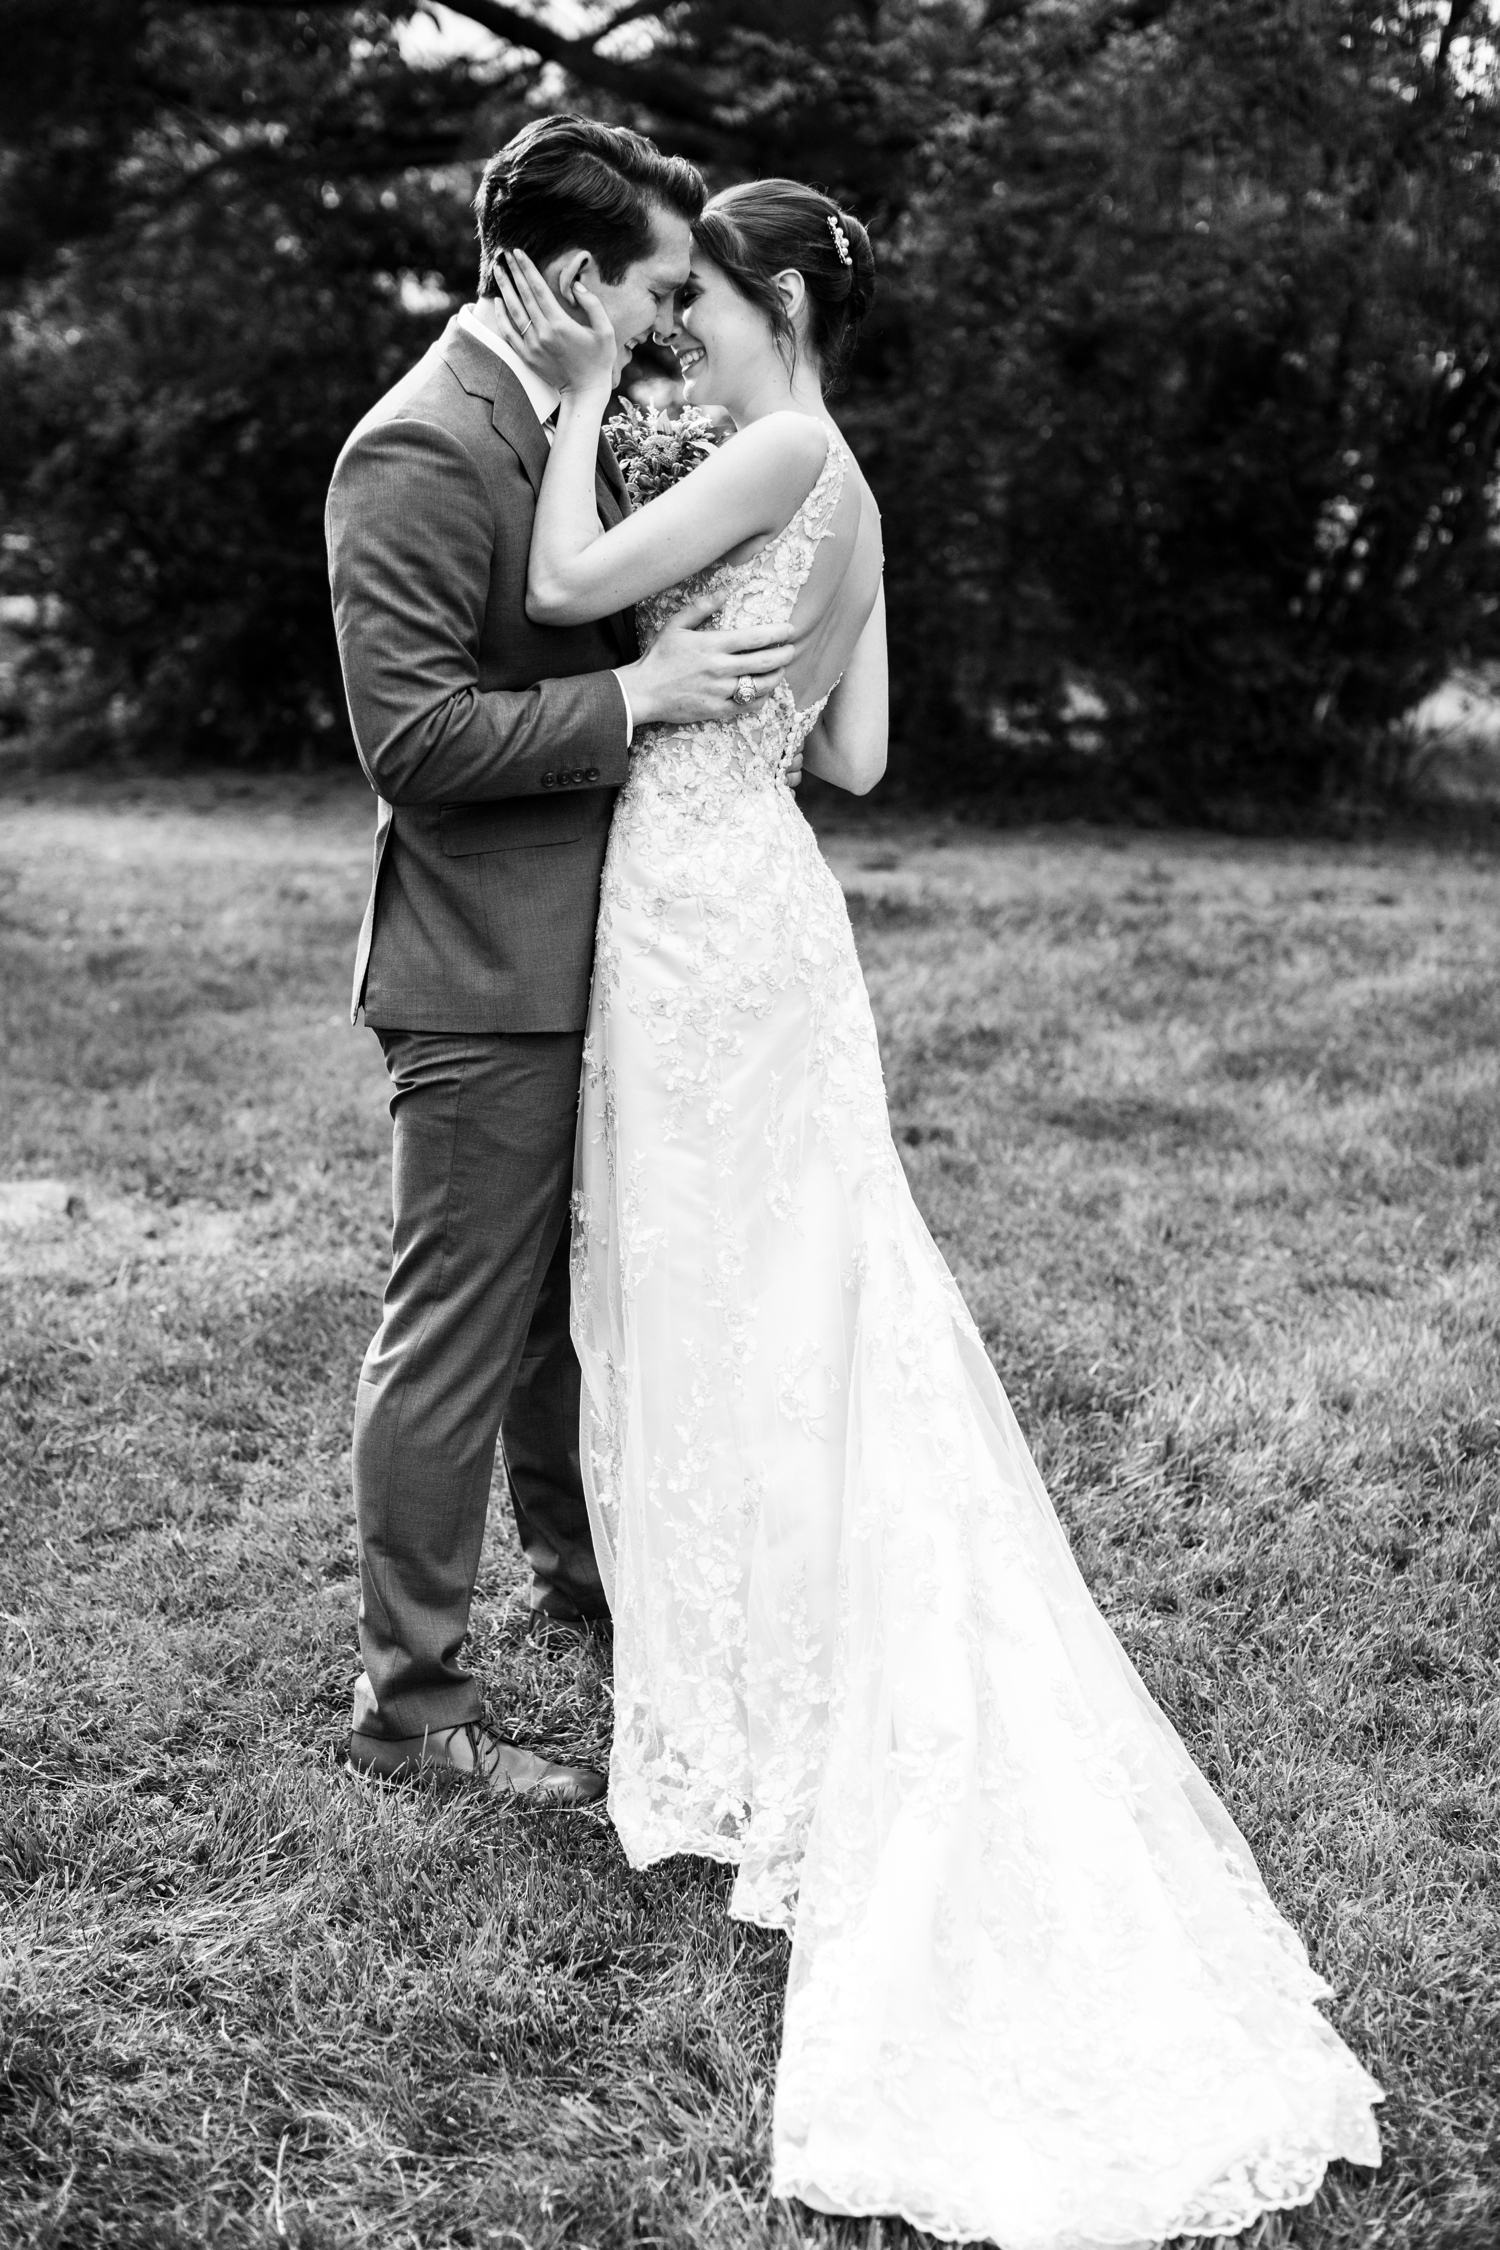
(840, 239)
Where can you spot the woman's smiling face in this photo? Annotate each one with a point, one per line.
(721, 340)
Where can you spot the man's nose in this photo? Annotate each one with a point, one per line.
(666, 325)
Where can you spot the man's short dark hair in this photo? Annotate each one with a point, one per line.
(568, 183)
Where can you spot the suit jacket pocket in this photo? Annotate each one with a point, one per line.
(513, 824)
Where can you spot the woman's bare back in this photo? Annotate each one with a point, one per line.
(835, 602)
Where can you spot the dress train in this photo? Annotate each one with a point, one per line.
(1038, 1991)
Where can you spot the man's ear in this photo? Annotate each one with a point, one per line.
(572, 266)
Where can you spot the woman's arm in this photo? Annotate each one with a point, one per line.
(748, 488)
(752, 486)
(848, 744)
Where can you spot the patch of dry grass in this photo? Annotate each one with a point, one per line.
(1212, 1136)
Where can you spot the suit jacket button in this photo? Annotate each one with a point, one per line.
(549, 781)
(592, 774)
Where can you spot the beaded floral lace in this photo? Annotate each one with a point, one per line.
(1038, 1992)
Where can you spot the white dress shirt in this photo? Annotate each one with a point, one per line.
(544, 401)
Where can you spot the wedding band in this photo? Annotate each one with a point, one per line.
(746, 688)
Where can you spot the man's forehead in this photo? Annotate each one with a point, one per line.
(666, 263)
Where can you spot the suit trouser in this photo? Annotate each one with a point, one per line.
(473, 1343)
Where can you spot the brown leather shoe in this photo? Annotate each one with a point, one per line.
(476, 1754)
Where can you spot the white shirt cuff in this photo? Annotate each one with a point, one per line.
(629, 714)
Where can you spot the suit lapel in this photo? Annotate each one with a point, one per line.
(485, 375)
(609, 471)
(514, 418)
(614, 505)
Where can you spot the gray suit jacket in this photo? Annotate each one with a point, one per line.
(494, 745)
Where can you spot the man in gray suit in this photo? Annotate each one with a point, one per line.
(495, 747)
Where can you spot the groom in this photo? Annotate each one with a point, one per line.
(495, 748)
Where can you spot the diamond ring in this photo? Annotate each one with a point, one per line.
(746, 688)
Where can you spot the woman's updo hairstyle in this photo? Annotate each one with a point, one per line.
(764, 227)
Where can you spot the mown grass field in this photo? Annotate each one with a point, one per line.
(1211, 1132)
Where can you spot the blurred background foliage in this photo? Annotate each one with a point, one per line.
(1182, 396)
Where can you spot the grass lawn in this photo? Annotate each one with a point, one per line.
(1211, 1132)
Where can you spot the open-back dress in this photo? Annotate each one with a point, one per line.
(1038, 1991)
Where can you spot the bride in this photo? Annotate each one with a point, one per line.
(1038, 1991)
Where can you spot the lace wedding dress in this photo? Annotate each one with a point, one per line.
(1038, 1992)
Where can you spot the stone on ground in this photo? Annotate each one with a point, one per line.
(31, 1203)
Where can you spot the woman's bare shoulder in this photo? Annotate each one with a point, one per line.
(784, 440)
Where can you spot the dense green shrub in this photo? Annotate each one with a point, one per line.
(1181, 397)
(1206, 337)
(184, 363)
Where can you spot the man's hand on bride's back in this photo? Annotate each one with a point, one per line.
(689, 674)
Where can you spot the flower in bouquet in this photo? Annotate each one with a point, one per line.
(656, 450)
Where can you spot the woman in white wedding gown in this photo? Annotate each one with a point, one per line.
(1038, 1991)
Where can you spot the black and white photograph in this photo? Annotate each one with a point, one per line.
(749, 1125)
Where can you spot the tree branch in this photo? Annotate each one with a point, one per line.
(1458, 14)
(634, 12)
(661, 86)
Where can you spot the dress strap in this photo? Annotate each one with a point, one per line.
(815, 516)
(785, 562)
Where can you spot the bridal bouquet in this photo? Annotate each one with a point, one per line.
(656, 450)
